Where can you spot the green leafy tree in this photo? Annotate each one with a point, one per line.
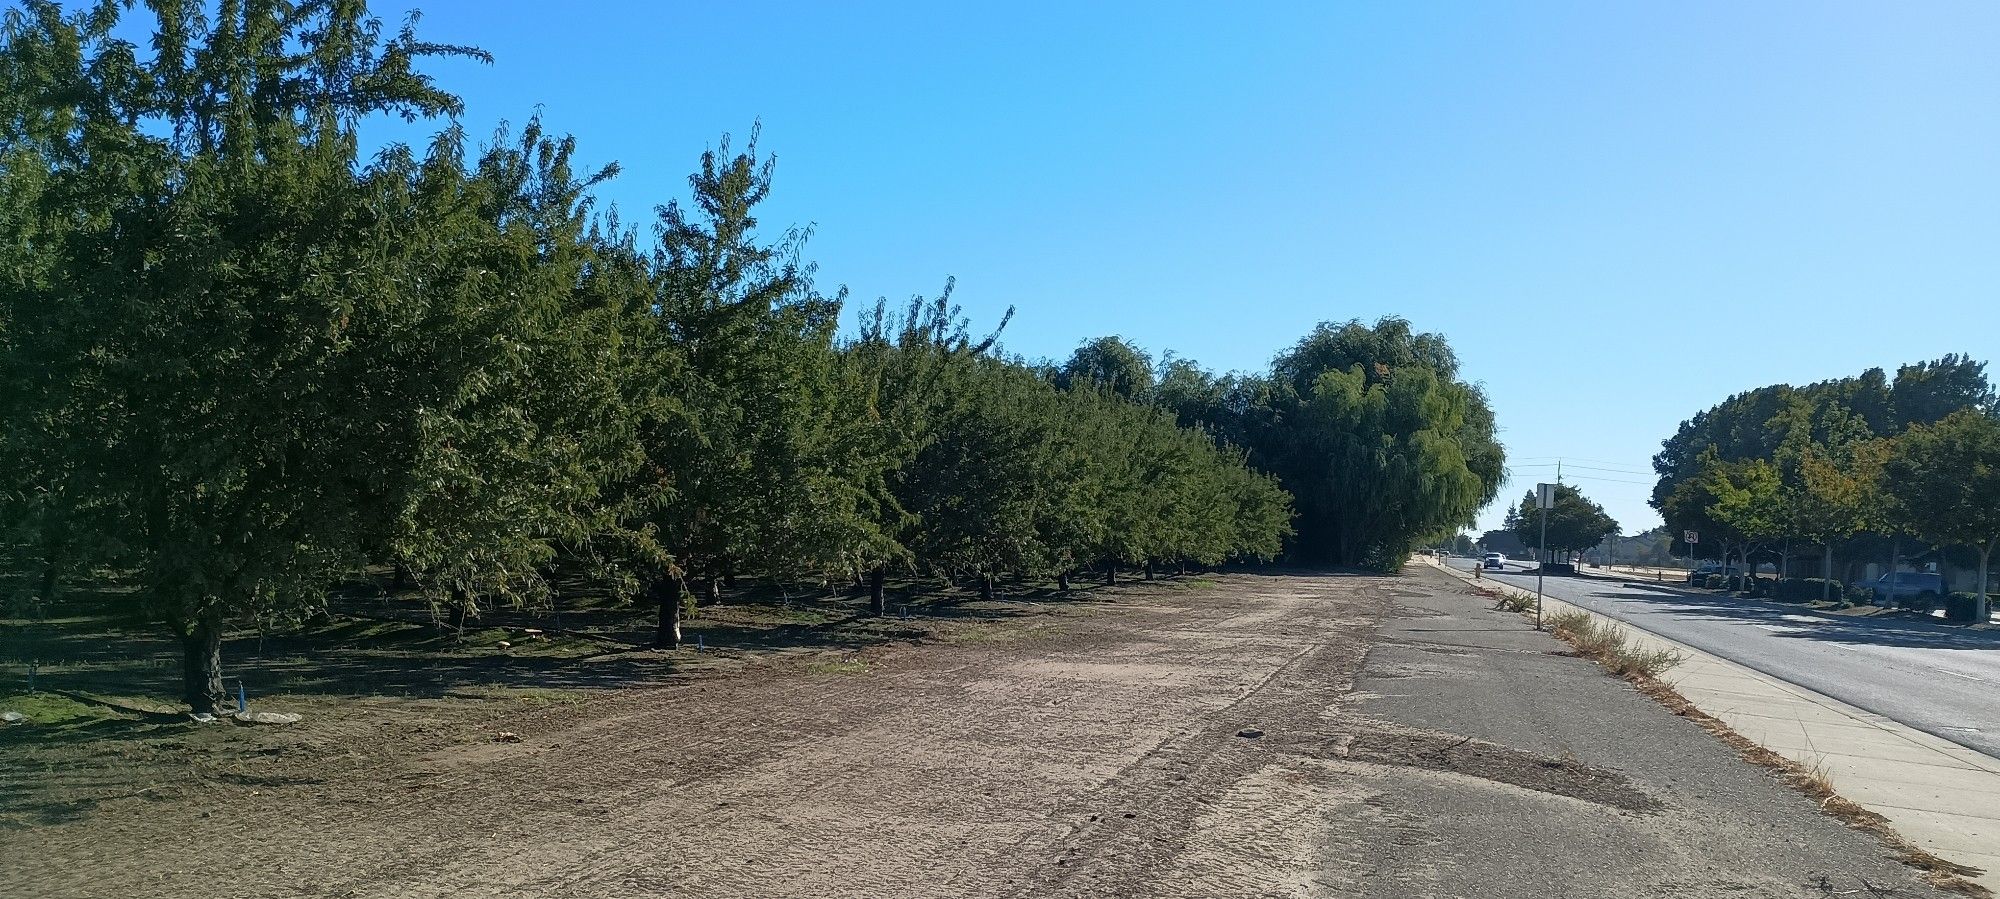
(1575, 523)
(910, 368)
(754, 431)
(1109, 363)
(1835, 497)
(290, 362)
(1375, 438)
(1691, 507)
(1749, 504)
(1942, 482)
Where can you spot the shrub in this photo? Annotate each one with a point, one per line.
(1961, 606)
(1808, 589)
(1715, 582)
(1860, 595)
(1609, 646)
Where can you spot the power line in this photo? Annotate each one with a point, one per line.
(1563, 463)
(1613, 470)
(1585, 477)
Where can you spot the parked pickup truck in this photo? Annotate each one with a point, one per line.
(1909, 590)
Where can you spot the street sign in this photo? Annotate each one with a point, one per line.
(1692, 537)
(1545, 496)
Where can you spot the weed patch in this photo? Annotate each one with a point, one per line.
(49, 709)
(1814, 783)
(1610, 646)
(841, 666)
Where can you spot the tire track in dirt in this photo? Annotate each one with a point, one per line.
(945, 770)
(1097, 756)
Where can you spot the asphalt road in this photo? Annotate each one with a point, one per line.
(1939, 679)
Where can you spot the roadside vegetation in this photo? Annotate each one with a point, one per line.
(1572, 525)
(1613, 649)
(250, 371)
(1610, 646)
(1903, 471)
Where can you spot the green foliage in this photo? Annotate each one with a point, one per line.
(1806, 589)
(1773, 422)
(239, 363)
(1943, 480)
(1375, 438)
(273, 358)
(1574, 523)
(1109, 363)
(1747, 500)
(1943, 483)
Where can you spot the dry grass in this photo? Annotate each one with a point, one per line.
(1506, 599)
(1814, 782)
(1610, 646)
(846, 666)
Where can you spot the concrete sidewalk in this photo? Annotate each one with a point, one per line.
(1942, 797)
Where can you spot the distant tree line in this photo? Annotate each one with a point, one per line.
(1852, 468)
(1572, 524)
(1382, 447)
(240, 362)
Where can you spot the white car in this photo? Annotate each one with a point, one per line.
(1495, 561)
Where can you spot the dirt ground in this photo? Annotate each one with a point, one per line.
(1413, 743)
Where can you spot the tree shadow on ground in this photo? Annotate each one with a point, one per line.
(1799, 623)
(371, 642)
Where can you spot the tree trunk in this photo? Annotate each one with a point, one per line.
(459, 602)
(1980, 610)
(1111, 574)
(714, 590)
(986, 585)
(201, 663)
(1062, 581)
(401, 580)
(1183, 568)
(667, 592)
(45, 592)
(1149, 569)
(1826, 568)
(876, 606)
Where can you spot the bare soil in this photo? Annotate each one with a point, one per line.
(1101, 747)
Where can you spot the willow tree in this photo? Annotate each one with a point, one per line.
(1377, 439)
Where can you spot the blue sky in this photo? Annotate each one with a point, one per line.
(1618, 212)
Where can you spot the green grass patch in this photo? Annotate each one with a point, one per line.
(51, 710)
(537, 697)
(769, 615)
(841, 666)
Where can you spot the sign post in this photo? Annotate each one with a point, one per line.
(1692, 537)
(1545, 498)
